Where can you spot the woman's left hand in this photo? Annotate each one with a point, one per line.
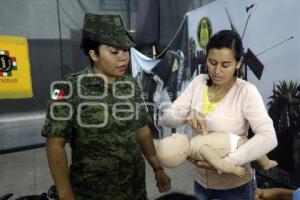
(163, 181)
(201, 164)
(204, 164)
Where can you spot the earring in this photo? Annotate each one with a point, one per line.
(236, 72)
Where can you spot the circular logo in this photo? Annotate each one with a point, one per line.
(204, 32)
(6, 64)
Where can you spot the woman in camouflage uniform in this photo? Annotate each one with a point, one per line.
(101, 113)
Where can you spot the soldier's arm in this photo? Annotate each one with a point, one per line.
(147, 145)
(58, 163)
(146, 142)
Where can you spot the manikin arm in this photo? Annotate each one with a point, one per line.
(219, 163)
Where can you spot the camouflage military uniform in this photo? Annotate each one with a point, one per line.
(107, 162)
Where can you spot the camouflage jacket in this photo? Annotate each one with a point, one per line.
(100, 121)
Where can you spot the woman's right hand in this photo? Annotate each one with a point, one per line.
(197, 121)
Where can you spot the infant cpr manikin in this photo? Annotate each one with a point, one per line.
(213, 147)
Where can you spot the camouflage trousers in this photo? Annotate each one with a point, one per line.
(120, 182)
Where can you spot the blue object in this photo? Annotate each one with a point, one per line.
(296, 194)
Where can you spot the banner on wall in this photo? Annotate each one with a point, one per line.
(162, 78)
(220, 15)
(15, 76)
(202, 23)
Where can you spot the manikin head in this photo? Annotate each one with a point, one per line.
(173, 150)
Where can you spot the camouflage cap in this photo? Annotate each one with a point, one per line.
(106, 29)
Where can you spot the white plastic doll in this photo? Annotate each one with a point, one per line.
(213, 147)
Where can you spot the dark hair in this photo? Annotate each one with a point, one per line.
(226, 39)
(86, 45)
(176, 196)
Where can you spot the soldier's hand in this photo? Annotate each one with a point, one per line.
(258, 194)
(163, 181)
(273, 194)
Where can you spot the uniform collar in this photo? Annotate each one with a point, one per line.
(94, 79)
(89, 77)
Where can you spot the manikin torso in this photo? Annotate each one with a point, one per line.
(219, 141)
